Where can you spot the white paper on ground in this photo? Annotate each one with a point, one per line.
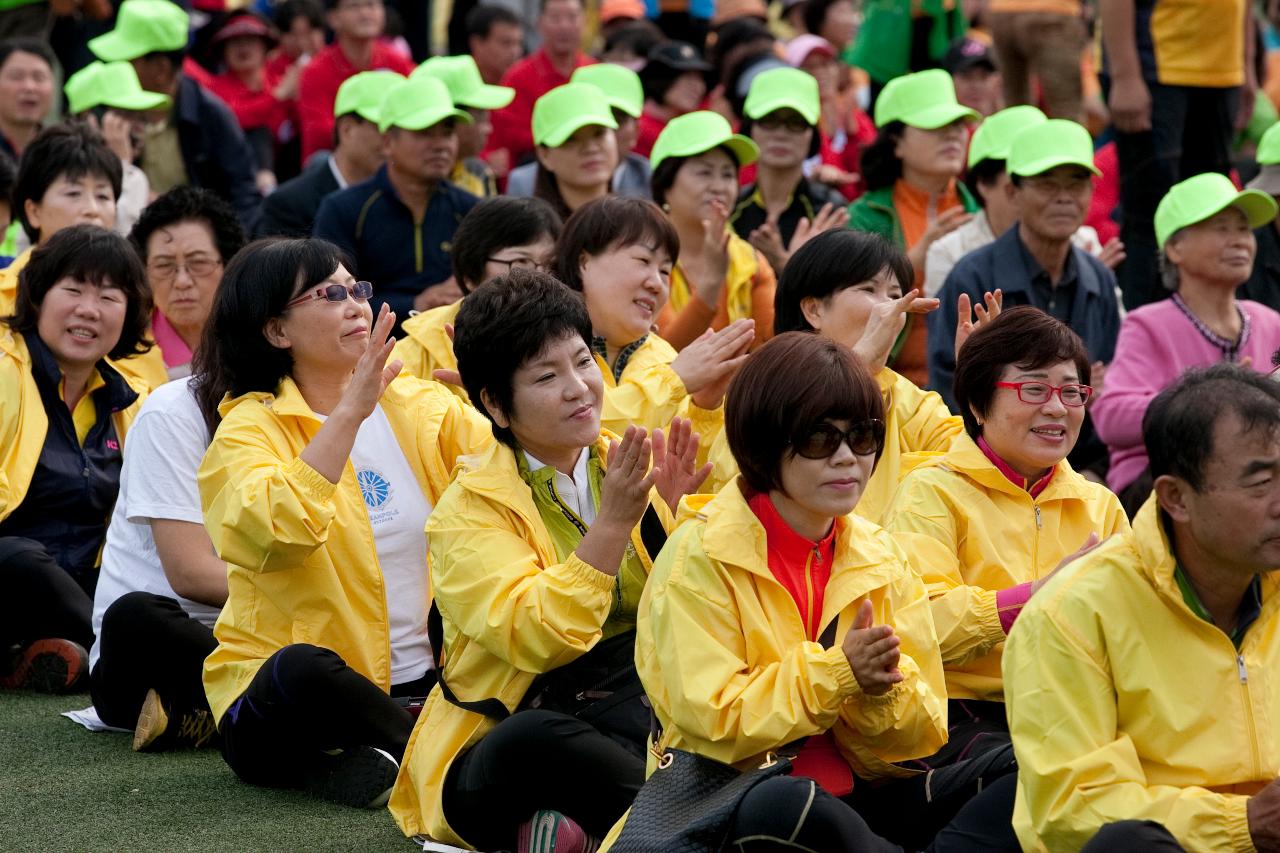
(88, 717)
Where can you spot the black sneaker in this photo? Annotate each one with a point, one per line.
(361, 776)
(160, 728)
(49, 666)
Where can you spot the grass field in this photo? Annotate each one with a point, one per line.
(63, 788)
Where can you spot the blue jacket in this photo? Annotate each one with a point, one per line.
(214, 151)
(377, 231)
(1090, 307)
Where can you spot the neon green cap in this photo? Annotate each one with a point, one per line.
(783, 88)
(695, 133)
(1044, 146)
(1269, 147)
(559, 114)
(461, 77)
(110, 84)
(621, 86)
(416, 105)
(1200, 197)
(362, 94)
(926, 99)
(993, 137)
(142, 27)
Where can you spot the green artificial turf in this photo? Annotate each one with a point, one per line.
(64, 788)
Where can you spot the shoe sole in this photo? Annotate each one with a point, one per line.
(50, 666)
(361, 777)
(153, 722)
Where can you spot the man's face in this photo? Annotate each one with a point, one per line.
(1052, 205)
(423, 155)
(560, 26)
(155, 73)
(498, 51)
(978, 88)
(302, 38)
(26, 88)
(358, 19)
(362, 141)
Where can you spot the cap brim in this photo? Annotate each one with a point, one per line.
(1267, 181)
(489, 97)
(112, 47)
(137, 101)
(764, 107)
(932, 118)
(743, 149)
(424, 118)
(558, 135)
(1052, 161)
(1257, 206)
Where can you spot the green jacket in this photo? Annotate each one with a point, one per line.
(874, 212)
(883, 45)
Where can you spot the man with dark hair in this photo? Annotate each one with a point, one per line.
(26, 91)
(198, 141)
(1139, 679)
(495, 36)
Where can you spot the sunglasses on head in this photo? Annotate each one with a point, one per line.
(864, 438)
(360, 291)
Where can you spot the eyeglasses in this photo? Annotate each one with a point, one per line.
(167, 270)
(360, 291)
(520, 264)
(1036, 393)
(792, 124)
(822, 441)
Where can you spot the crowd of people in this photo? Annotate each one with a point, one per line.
(651, 426)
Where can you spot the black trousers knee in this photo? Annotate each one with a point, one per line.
(40, 600)
(148, 643)
(305, 701)
(539, 760)
(1134, 836)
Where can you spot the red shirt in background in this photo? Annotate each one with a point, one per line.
(253, 109)
(647, 129)
(531, 77)
(318, 89)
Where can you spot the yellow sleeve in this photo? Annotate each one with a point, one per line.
(1076, 772)
(649, 397)
(491, 584)
(264, 511)
(699, 680)
(463, 432)
(925, 422)
(12, 489)
(413, 356)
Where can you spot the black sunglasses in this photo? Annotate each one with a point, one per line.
(864, 438)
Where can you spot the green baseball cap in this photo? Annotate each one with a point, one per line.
(1200, 197)
(1269, 147)
(783, 88)
(621, 86)
(1044, 146)
(559, 114)
(993, 137)
(142, 27)
(926, 99)
(417, 104)
(362, 94)
(110, 84)
(695, 133)
(461, 77)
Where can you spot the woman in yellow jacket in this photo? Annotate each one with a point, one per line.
(718, 277)
(316, 488)
(851, 286)
(498, 235)
(64, 412)
(990, 520)
(537, 554)
(776, 615)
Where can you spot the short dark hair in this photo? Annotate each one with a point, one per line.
(493, 225)
(234, 356)
(289, 10)
(639, 37)
(504, 323)
(94, 255)
(1023, 336)
(612, 221)
(482, 18)
(881, 166)
(190, 204)
(546, 188)
(663, 177)
(984, 173)
(794, 382)
(829, 263)
(815, 14)
(543, 4)
(1177, 428)
(70, 149)
(26, 44)
(656, 78)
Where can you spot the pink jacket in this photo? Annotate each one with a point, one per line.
(1157, 343)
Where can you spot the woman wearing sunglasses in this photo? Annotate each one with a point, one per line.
(323, 469)
(990, 521)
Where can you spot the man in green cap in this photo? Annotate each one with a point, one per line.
(1051, 172)
(197, 141)
(398, 226)
(1264, 283)
(290, 211)
(461, 76)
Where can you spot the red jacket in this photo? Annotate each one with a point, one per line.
(253, 109)
(531, 77)
(318, 89)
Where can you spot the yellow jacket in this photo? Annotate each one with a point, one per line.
(9, 283)
(510, 611)
(301, 566)
(147, 370)
(917, 423)
(426, 346)
(970, 532)
(724, 658)
(1125, 705)
(24, 422)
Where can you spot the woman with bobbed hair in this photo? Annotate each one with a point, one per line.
(323, 469)
(990, 521)
(64, 411)
(498, 235)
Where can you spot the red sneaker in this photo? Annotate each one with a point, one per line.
(49, 666)
(551, 832)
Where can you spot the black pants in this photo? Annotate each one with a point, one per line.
(38, 599)
(539, 760)
(148, 643)
(303, 702)
(1133, 836)
(1191, 131)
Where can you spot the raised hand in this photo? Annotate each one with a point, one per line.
(627, 481)
(873, 653)
(884, 324)
(675, 462)
(1112, 253)
(706, 365)
(441, 374)
(714, 261)
(372, 374)
(827, 218)
(986, 311)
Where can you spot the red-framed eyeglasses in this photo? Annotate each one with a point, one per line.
(1036, 393)
(360, 291)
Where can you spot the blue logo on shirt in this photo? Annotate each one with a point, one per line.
(374, 487)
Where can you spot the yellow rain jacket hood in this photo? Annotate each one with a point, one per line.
(970, 532)
(1125, 705)
(299, 550)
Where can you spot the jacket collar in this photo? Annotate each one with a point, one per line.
(967, 459)
(190, 101)
(1015, 267)
(48, 375)
(287, 400)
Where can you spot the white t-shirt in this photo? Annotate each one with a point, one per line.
(158, 480)
(398, 513)
(574, 493)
